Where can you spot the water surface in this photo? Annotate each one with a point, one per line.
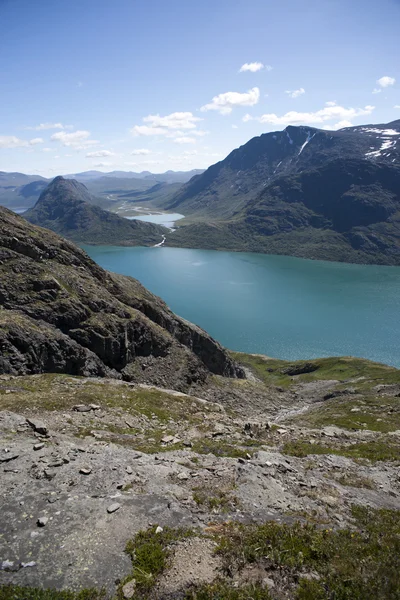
(275, 305)
(166, 219)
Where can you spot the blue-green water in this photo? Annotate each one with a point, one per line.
(275, 305)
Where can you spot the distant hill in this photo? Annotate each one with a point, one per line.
(306, 192)
(22, 197)
(167, 177)
(67, 207)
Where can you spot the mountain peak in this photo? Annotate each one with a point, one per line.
(68, 208)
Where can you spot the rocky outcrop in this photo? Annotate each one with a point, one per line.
(60, 312)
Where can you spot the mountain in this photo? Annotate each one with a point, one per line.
(167, 177)
(306, 192)
(67, 207)
(60, 312)
(12, 180)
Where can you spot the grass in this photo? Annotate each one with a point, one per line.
(221, 590)
(219, 498)
(372, 412)
(354, 480)
(150, 554)
(376, 450)
(16, 592)
(271, 370)
(61, 392)
(359, 564)
(219, 448)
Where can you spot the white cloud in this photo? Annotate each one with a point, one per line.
(77, 139)
(99, 154)
(44, 126)
(295, 93)
(177, 120)
(327, 113)
(199, 132)
(185, 140)
(396, 106)
(146, 130)
(47, 150)
(247, 118)
(330, 103)
(103, 164)
(140, 152)
(11, 141)
(169, 126)
(253, 67)
(224, 103)
(235, 127)
(386, 81)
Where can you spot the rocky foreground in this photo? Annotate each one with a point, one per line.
(88, 463)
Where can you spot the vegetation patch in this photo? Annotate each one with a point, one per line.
(273, 371)
(61, 392)
(359, 564)
(375, 450)
(219, 448)
(16, 592)
(222, 590)
(218, 498)
(150, 553)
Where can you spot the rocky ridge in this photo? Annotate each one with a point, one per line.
(60, 312)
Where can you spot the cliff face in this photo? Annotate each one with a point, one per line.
(60, 312)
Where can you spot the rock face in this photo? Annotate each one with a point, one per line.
(62, 313)
(67, 207)
(333, 195)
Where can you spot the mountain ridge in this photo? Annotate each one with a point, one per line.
(306, 192)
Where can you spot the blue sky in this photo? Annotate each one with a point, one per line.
(172, 84)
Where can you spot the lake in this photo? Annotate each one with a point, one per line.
(166, 219)
(275, 305)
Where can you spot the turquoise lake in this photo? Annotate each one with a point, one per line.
(275, 305)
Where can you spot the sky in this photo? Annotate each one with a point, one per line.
(155, 85)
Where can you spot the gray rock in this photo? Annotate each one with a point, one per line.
(37, 426)
(42, 521)
(113, 507)
(128, 590)
(82, 408)
(85, 470)
(28, 564)
(39, 446)
(7, 457)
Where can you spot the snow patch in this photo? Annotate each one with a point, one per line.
(385, 146)
(290, 139)
(309, 138)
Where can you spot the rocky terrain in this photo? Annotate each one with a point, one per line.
(67, 207)
(88, 463)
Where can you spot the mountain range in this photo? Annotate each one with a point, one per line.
(67, 207)
(306, 192)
